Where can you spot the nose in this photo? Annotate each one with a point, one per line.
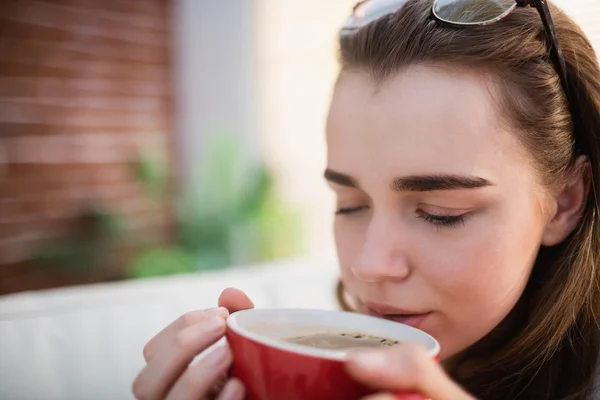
(385, 252)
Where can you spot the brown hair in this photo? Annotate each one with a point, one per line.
(548, 346)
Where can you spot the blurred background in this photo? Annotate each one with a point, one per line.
(159, 137)
(178, 140)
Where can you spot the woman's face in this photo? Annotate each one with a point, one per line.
(439, 213)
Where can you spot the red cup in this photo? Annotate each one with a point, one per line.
(273, 369)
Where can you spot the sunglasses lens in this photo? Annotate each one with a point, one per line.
(472, 12)
(368, 11)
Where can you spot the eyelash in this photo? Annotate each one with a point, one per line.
(349, 210)
(441, 221)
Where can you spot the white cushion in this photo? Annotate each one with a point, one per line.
(86, 342)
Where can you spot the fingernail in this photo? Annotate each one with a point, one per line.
(217, 355)
(370, 359)
(214, 324)
(220, 311)
(213, 327)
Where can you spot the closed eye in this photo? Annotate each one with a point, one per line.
(350, 210)
(446, 221)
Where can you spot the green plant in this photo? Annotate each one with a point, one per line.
(160, 261)
(150, 170)
(229, 214)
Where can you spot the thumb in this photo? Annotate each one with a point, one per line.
(234, 300)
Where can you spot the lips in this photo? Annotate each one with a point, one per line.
(407, 317)
(414, 320)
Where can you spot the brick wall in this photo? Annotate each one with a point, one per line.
(84, 86)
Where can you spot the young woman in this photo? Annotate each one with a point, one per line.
(464, 150)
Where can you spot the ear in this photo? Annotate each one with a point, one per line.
(569, 203)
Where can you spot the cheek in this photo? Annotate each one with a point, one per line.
(478, 279)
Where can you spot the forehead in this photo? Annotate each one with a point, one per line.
(420, 120)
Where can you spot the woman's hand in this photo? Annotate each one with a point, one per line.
(168, 373)
(403, 368)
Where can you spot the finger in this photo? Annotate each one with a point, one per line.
(235, 300)
(233, 390)
(186, 320)
(198, 380)
(382, 396)
(171, 360)
(409, 396)
(404, 367)
(389, 396)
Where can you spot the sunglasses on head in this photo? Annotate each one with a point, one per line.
(465, 13)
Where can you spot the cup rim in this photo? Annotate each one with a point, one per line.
(433, 349)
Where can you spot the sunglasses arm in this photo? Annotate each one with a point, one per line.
(524, 3)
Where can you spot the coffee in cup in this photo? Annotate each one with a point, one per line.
(341, 341)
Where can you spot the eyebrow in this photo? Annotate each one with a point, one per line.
(417, 183)
(428, 183)
(340, 179)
